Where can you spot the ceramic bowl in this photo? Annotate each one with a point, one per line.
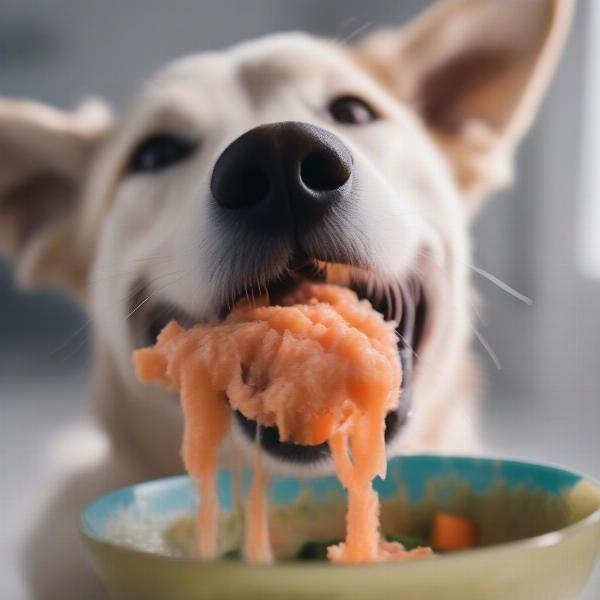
(539, 530)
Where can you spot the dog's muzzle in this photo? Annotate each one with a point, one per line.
(283, 208)
(283, 178)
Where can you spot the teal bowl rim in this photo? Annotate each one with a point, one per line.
(545, 539)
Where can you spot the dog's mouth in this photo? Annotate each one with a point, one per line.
(403, 303)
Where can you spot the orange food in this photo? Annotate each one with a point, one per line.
(257, 547)
(453, 532)
(323, 366)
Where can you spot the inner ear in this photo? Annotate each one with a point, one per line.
(35, 203)
(466, 87)
(475, 71)
(46, 156)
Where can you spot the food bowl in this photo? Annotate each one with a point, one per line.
(538, 527)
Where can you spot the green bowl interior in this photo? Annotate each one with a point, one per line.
(508, 500)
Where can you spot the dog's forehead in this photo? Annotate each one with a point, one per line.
(280, 58)
(256, 67)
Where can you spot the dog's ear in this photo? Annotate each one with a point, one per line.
(476, 71)
(45, 155)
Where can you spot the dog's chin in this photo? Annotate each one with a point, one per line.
(401, 302)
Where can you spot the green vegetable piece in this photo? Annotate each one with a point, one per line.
(408, 541)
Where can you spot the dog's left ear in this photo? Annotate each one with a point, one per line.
(476, 71)
(45, 157)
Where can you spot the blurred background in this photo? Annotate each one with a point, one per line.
(542, 237)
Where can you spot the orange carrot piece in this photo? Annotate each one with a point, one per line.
(453, 532)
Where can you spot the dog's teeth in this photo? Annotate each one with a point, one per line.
(398, 305)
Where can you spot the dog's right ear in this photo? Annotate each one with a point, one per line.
(476, 72)
(45, 155)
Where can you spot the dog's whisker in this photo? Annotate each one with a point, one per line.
(76, 350)
(142, 285)
(410, 347)
(138, 306)
(354, 33)
(502, 285)
(478, 314)
(499, 283)
(81, 329)
(488, 348)
(345, 24)
(151, 295)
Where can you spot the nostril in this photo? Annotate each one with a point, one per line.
(324, 171)
(241, 187)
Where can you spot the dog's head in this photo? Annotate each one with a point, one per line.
(282, 159)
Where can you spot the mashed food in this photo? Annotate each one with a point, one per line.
(322, 366)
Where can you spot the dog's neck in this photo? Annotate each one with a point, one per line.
(151, 440)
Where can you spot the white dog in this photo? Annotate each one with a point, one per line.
(284, 158)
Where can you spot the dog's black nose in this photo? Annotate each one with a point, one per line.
(283, 175)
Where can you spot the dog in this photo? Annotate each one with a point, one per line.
(245, 171)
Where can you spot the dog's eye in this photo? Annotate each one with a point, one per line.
(352, 110)
(159, 152)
